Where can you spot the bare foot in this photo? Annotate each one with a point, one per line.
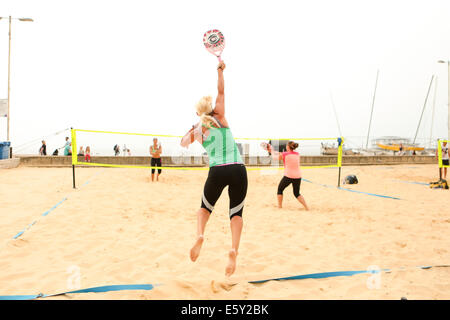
(229, 270)
(195, 251)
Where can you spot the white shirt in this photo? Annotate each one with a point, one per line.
(445, 153)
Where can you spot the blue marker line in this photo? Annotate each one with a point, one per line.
(88, 290)
(340, 188)
(413, 182)
(53, 208)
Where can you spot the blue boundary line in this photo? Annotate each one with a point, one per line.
(350, 190)
(52, 208)
(88, 290)
(321, 275)
(44, 214)
(324, 275)
(413, 182)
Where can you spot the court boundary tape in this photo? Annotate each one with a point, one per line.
(100, 289)
(413, 182)
(122, 287)
(350, 190)
(52, 208)
(323, 275)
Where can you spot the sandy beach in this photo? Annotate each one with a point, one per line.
(118, 227)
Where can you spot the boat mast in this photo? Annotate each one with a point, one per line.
(371, 112)
(423, 109)
(335, 115)
(432, 112)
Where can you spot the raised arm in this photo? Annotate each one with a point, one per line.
(275, 154)
(188, 138)
(220, 100)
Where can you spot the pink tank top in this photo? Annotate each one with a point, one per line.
(291, 162)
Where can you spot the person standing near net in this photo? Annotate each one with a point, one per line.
(292, 172)
(155, 153)
(226, 168)
(445, 159)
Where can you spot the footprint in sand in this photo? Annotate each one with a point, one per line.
(400, 244)
(216, 286)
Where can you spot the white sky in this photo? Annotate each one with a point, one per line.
(140, 66)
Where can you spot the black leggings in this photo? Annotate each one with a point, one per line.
(285, 181)
(156, 162)
(235, 177)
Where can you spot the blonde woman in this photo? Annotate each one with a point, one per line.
(226, 168)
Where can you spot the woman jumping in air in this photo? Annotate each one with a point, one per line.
(292, 172)
(226, 169)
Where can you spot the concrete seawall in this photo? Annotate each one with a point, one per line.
(9, 163)
(66, 161)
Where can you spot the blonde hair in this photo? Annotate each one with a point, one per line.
(204, 109)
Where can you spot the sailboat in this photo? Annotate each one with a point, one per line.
(394, 143)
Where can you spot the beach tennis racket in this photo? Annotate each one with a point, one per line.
(265, 146)
(214, 42)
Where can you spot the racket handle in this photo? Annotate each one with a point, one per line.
(220, 59)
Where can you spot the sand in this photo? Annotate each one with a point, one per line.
(117, 227)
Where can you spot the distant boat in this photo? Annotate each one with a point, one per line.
(332, 150)
(393, 144)
(396, 147)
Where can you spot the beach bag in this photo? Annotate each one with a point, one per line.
(441, 184)
(351, 179)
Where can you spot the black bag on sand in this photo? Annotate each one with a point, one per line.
(351, 179)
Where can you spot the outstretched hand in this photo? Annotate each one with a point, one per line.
(221, 65)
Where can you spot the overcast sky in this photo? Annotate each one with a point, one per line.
(140, 66)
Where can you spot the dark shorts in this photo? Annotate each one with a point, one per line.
(445, 162)
(285, 182)
(156, 162)
(235, 177)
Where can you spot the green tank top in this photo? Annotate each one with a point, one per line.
(221, 147)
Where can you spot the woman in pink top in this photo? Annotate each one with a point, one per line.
(292, 173)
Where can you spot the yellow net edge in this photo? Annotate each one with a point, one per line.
(191, 167)
(75, 156)
(173, 136)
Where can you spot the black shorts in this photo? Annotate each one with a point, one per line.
(445, 162)
(285, 181)
(156, 162)
(235, 177)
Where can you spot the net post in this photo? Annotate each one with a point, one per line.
(74, 154)
(340, 143)
(73, 176)
(439, 158)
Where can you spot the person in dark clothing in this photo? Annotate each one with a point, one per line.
(43, 149)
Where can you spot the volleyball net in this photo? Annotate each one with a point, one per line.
(132, 150)
(441, 153)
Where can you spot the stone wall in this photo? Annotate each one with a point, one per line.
(9, 163)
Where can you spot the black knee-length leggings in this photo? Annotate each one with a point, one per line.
(156, 162)
(285, 182)
(235, 177)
